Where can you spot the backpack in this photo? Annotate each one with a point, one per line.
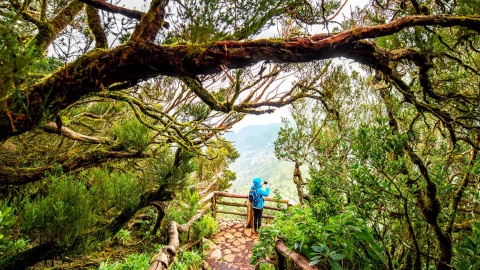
(253, 197)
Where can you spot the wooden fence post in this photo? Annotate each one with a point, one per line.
(249, 221)
(214, 206)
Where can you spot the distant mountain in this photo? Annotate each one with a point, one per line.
(257, 159)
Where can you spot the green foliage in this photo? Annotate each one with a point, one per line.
(14, 66)
(187, 260)
(8, 246)
(162, 171)
(61, 215)
(336, 238)
(183, 209)
(265, 247)
(266, 266)
(20, 64)
(98, 108)
(204, 21)
(294, 138)
(68, 209)
(131, 134)
(206, 226)
(135, 261)
(218, 155)
(7, 220)
(123, 236)
(468, 250)
(119, 191)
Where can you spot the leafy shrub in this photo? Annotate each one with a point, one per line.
(131, 134)
(135, 261)
(123, 236)
(67, 208)
(8, 246)
(187, 260)
(61, 215)
(333, 241)
(205, 227)
(468, 250)
(183, 209)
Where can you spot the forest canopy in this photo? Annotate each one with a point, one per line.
(106, 111)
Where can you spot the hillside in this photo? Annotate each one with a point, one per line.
(257, 159)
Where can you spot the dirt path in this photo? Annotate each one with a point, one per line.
(231, 248)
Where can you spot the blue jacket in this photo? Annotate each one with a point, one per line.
(257, 184)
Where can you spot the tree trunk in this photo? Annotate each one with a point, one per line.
(297, 179)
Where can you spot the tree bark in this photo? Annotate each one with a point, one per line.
(164, 257)
(297, 179)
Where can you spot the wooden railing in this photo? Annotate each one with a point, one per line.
(248, 212)
(164, 257)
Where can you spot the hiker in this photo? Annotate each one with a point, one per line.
(258, 202)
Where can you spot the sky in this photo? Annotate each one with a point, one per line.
(264, 119)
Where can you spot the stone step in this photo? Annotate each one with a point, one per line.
(231, 247)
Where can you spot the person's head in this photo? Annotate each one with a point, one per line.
(257, 182)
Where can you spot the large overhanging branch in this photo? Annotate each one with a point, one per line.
(20, 176)
(99, 69)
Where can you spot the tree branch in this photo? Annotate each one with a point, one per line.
(52, 128)
(95, 25)
(164, 257)
(103, 5)
(48, 31)
(99, 69)
(146, 31)
(20, 176)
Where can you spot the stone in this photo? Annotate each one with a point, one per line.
(209, 243)
(216, 255)
(229, 235)
(237, 226)
(227, 251)
(229, 258)
(221, 239)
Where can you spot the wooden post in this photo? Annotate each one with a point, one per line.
(214, 206)
(249, 221)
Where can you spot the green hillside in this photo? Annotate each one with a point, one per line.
(257, 159)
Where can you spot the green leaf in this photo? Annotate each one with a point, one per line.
(337, 257)
(319, 248)
(365, 235)
(335, 265)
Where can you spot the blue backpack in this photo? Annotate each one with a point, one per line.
(253, 197)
